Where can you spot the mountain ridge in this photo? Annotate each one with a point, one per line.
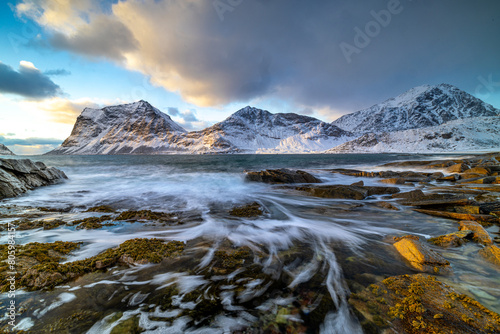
(140, 128)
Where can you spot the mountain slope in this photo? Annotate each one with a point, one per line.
(139, 128)
(133, 128)
(5, 151)
(255, 130)
(419, 107)
(462, 135)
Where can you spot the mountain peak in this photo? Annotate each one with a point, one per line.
(422, 106)
(4, 150)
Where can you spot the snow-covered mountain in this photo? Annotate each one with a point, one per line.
(139, 128)
(461, 135)
(419, 107)
(130, 128)
(5, 151)
(255, 130)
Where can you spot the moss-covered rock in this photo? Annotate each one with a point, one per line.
(454, 239)
(422, 304)
(491, 253)
(250, 210)
(479, 234)
(144, 215)
(101, 208)
(46, 224)
(91, 223)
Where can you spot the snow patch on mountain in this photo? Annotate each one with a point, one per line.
(4, 150)
(463, 135)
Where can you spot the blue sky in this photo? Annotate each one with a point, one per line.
(208, 59)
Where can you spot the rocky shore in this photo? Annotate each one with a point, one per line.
(410, 293)
(19, 176)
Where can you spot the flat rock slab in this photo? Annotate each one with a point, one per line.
(19, 176)
(488, 219)
(347, 191)
(420, 256)
(454, 239)
(277, 176)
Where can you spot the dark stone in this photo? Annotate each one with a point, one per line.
(281, 176)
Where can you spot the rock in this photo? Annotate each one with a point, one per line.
(457, 168)
(358, 184)
(421, 257)
(454, 239)
(480, 235)
(394, 181)
(250, 210)
(411, 195)
(19, 176)
(386, 205)
(478, 170)
(479, 180)
(487, 219)
(452, 178)
(471, 209)
(347, 192)
(420, 304)
(281, 176)
(491, 253)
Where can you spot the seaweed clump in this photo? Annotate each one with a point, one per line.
(144, 215)
(91, 223)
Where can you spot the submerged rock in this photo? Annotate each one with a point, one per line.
(19, 176)
(281, 176)
(421, 304)
(420, 256)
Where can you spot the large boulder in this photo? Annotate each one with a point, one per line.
(19, 176)
(281, 176)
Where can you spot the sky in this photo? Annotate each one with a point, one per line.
(201, 60)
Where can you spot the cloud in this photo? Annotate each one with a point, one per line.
(63, 110)
(289, 49)
(173, 111)
(59, 71)
(27, 81)
(29, 141)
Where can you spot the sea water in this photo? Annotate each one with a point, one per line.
(331, 232)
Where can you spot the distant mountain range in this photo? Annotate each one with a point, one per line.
(439, 118)
(5, 151)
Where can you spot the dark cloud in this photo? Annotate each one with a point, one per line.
(27, 81)
(105, 37)
(35, 141)
(59, 71)
(296, 50)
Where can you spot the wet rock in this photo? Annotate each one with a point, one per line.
(281, 176)
(19, 176)
(386, 205)
(454, 239)
(479, 180)
(421, 304)
(478, 170)
(479, 235)
(452, 178)
(457, 168)
(102, 209)
(420, 256)
(491, 253)
(411, 195)
(358, 184)
(347, 192)
(144, 215)
(394, 181)
(483, 219)
(249, 210)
